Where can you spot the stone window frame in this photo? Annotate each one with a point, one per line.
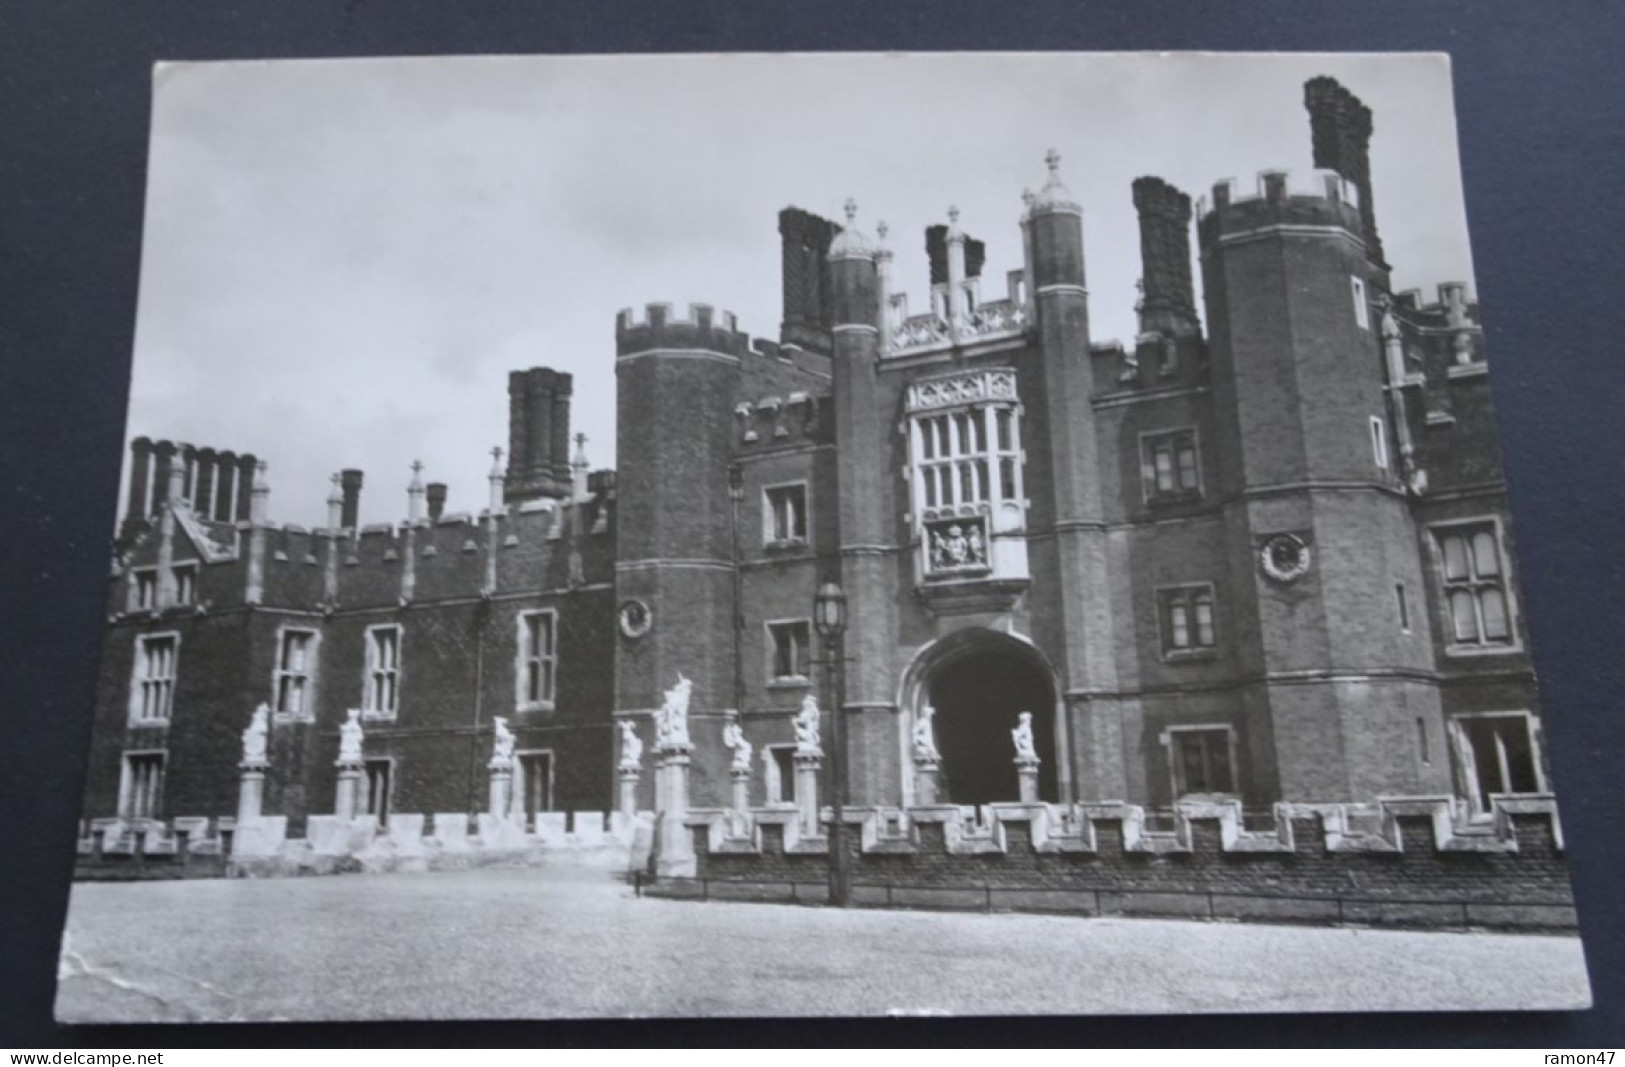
(778, 790)
(1150, 492)
(189, 587)
(770, 516)
(1379, 442)
(1437, 532)
(127, 782)
(366, 806)
(1176, 774)
(1187, 594)
(775, 680)
(1362, 307)
(281, 673)
(141, 677)
(370, 710)
(1468, 776)
(524, 662)
(940, 466)
(143, 595)
(516, 803)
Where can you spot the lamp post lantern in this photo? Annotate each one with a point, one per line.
(829, 618)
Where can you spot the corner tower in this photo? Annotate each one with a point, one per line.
(1321, 539)
(676, 380)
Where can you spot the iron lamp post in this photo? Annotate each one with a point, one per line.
(829, 618)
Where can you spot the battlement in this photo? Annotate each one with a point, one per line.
(1403, 861)
(1311, 198)
(706, 328)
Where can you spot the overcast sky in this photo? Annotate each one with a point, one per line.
(344, 259)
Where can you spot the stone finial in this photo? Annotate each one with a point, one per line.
(497, 480)
(849, 243)
(335, 503)
(414, 492)
(580, 461)
(1055, 196)
(259, 507)
(953, 214)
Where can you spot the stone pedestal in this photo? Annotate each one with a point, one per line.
(737, 818)
(347, 792)
(1027, 778)
(501, 796)
(250, 792)
(628, 805)
(673, 840)
(925, 784)
(807, 765)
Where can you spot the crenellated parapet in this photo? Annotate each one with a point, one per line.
(660, 329)
(1400, 861)
(1317, 199)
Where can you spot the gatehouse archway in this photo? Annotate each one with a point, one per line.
(979, 681)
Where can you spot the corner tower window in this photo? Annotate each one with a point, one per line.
(1475, 588)
(965, 469)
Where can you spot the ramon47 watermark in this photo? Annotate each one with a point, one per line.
(1605, 1057)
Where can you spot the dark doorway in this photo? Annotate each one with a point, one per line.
(534, 785)
(978, 696)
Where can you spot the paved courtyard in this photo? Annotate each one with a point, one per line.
(565, 942)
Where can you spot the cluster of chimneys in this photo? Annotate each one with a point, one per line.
(1340, 130)
(219, 484)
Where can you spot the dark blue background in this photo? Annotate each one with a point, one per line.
(1539, 94)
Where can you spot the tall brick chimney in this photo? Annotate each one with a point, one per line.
(1168, 299)
(350, 488)
(936, 253)
(247, 469)
(1340, 126)
(437, 500)
(140, 475)
(806, 238)
(538, 435)
(203, 483)
(225, 465)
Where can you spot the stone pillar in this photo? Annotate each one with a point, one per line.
(348, 791)
(501, 797)
(1027, 776)
(629, 791)
(741, 788)
(807, 766)
(671, 783)
(250, 792)
(925, 783)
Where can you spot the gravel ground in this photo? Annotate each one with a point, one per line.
(568, 943)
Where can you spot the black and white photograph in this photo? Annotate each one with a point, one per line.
(813, 535)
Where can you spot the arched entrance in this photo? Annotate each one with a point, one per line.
(979, 681)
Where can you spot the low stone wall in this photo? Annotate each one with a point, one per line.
(1416, 861)
(116, 849)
